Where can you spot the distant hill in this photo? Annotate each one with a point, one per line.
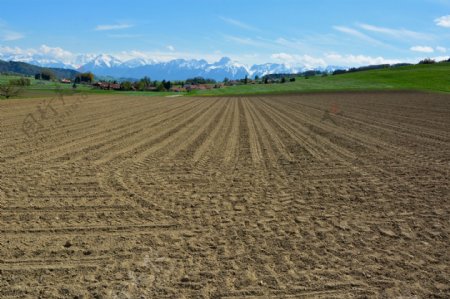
(26, 69)
(425, 77)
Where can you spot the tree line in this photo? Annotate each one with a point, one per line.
(146, 84)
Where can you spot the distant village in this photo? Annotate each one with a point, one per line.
(146, 84)
(105, 85)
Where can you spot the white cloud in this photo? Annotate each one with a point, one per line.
(239, 24)
(283, 56)
(422, 49)
(55, 52)
(160, 56)
(4, 51)
(357, 34)
(293, 44)
(170, 48)
(357, 60)
(397, 33)
(443, 21)
(245, 41)
(113, 27)
(43, 51)
(303, 60)
(44, 54)
(331, 59)
(48, 54)
(8, 35)
(439, 58)
(441, 49)
(124, 35)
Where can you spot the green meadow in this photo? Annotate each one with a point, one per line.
(424, 77)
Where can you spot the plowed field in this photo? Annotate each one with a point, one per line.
(316, 195)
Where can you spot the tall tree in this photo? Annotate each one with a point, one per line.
(85, 77)
(9, 90)
(45, 74)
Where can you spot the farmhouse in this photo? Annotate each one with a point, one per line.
(178, 89)
(107, 85)
(190, 87)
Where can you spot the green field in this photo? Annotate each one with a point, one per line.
(426, 77)
(42, 88)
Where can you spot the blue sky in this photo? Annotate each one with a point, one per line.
(345, 32)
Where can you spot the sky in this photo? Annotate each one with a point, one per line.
(314, 33)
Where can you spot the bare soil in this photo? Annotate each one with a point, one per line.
(317, 195)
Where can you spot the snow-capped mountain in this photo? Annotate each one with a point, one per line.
(81, 60)
(180, 69)
(101, 62)
(225, 67)
(36, 60)
(177, 69)
(274, 68)
(136, 62)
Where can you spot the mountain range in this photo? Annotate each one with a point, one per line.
(177, 69)
(27, 69)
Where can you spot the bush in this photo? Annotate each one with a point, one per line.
(143, 84)
(160, 87)
(20, 82)
(200, 80)
(167, 84)
(126, 85)
(292, 79)
(9, 90)
(45, 75)
(310, 73)
(427, 61)
(84, 77)
(339, 72)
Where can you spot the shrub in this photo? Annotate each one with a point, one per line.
(427, 61)
(20, 82)
(126, 85)
(84, 77)
(9, 90)
(200, 80)
(339, 72)
(45, 75)
(160, 87)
